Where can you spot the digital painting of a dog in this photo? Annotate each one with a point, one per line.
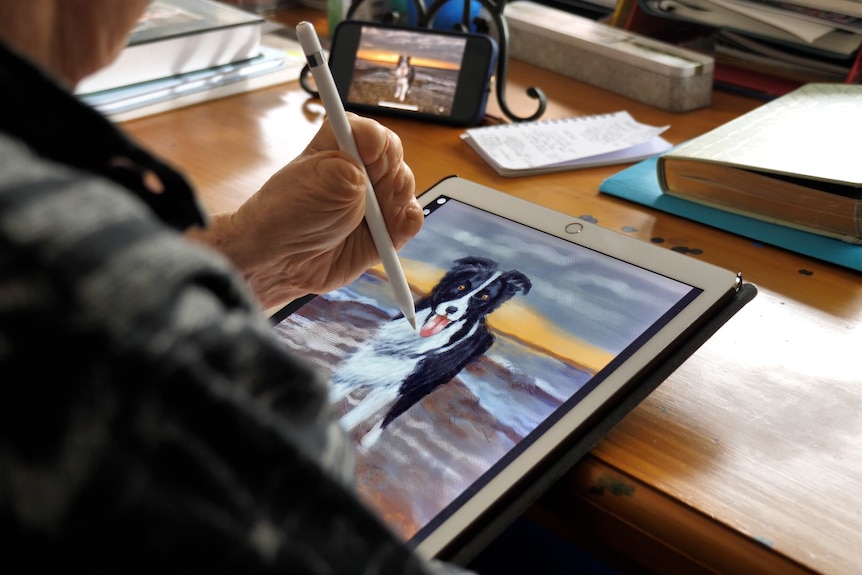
(399, 366)
(514, 328)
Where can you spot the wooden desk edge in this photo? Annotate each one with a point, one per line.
(630, 525)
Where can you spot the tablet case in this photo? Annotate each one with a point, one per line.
(505, 512)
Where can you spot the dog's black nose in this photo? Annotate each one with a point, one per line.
(451, 309)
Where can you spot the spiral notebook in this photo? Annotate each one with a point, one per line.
(539, 147)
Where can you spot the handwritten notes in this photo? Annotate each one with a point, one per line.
(555, 145)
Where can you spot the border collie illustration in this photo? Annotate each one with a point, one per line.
(404, 74)
(398, 367)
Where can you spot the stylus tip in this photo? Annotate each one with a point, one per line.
(412, 320)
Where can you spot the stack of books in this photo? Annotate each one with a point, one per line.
(769, 47)
(187, 51)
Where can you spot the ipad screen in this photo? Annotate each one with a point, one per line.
(516, 328)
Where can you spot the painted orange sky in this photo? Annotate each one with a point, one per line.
(518, 319)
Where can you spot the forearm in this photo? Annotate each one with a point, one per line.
(270, 282)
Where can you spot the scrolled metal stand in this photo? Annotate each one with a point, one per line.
(495, 9)
(425, 18)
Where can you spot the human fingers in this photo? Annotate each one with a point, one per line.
(392, 179)
(382, 156)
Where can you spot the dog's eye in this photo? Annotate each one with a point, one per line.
(485, 296)
(461, 287)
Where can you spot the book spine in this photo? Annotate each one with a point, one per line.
(760, 196)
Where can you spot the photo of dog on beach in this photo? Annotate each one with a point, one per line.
(400, 70)
(399, 367)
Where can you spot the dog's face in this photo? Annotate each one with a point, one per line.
(470, 290)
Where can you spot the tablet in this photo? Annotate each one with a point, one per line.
(531, 325)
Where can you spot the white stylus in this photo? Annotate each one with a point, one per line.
(322, 75)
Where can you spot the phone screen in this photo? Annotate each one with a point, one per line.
(412, 72)
(407, 71)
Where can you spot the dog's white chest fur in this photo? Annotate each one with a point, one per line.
(449, 337)
(380, 366)
(386, 360)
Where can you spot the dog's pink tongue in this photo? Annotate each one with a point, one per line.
(434, 325)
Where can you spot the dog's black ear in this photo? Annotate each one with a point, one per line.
(473, 261)
(518, 281)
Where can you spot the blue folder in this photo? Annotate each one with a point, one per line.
(639, 183)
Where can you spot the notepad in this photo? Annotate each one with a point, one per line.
(528, 148)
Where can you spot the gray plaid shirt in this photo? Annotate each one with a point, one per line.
(149, 417)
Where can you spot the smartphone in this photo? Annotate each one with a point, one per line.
(417, 73)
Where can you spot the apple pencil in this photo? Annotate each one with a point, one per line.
(344, 135)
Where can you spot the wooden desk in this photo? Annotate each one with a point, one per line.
(748, 459)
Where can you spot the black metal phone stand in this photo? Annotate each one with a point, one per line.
(425, 19)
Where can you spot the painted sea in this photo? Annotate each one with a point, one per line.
(432, 92)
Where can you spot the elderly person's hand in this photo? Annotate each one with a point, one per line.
(304, 231)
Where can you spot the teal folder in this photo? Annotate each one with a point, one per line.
(639, 183)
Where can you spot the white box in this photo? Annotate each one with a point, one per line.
(640, 68)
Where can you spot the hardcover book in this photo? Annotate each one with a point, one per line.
(793, 161)
(176, 37)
